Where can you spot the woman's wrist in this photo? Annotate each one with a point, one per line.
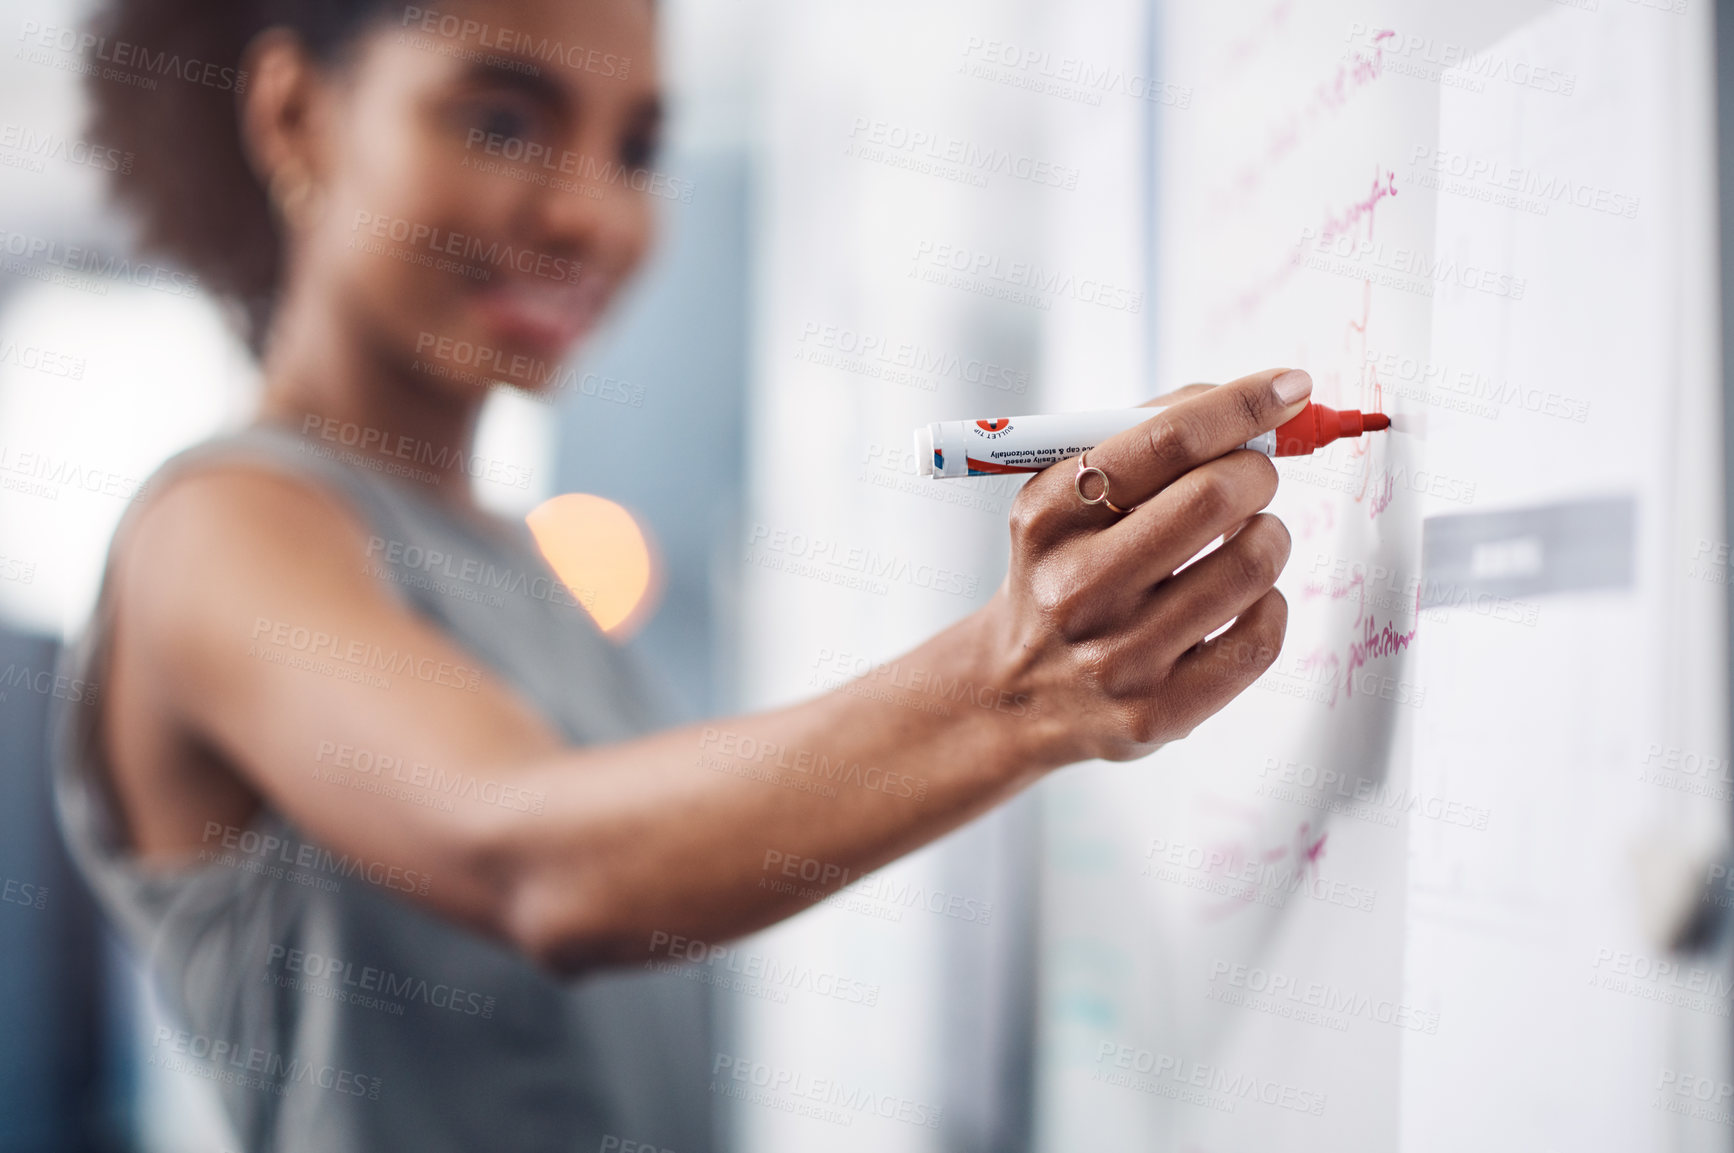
(1016, 735)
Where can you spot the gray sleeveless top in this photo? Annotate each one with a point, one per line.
(332, 1014)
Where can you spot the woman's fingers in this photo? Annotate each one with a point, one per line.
(1156, 698)
(1178, 523)
(1091, 582)
(1135, 650)
(1211, 421)
(1216, 588)
(1142, 461)
(1184, 392)
(1215, 672)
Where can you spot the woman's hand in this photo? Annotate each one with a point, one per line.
(1100, 622)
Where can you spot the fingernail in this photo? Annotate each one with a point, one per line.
(1293, 385)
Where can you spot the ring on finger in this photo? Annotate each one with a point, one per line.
(1086, 469)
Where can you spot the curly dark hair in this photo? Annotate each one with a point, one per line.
(195, 195)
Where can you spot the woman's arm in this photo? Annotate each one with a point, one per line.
(1093, 647)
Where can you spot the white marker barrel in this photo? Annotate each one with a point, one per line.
(1020, 444)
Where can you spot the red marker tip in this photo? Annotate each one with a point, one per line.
(1317, 426)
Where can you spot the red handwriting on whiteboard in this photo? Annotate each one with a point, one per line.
(1339, 590)
(1384, 187)
(1257, 876)
(1354, 72)
(1316, 519)
(1373, 401)
(1372, 640)
(1382, 494)
(1249, 301)
(1360, 325)
(1271, 27)
(1373, 643)
(1372, 398)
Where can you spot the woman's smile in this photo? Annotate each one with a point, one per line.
(548, 315)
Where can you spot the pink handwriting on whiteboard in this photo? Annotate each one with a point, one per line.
(1268, 29)
(1316, 519)
(1383, 642)
(1250, 876)
(1372, 640)
(1354, 72)
(1382, 495)
(1384, 187)
(1251, 299)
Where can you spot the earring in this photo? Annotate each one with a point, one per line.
(294, 195)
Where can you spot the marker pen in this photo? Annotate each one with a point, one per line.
(1014, 444)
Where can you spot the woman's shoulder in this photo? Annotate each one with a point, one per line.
(234, 517)
(377, 489)
(232, 486)
(266, 449)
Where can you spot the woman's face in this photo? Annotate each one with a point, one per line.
(484, 184)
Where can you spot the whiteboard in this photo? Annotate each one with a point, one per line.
(1413, 889)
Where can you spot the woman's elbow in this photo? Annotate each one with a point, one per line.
(553, 935)
(548, 910)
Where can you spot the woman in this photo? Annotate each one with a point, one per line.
(368, 833)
